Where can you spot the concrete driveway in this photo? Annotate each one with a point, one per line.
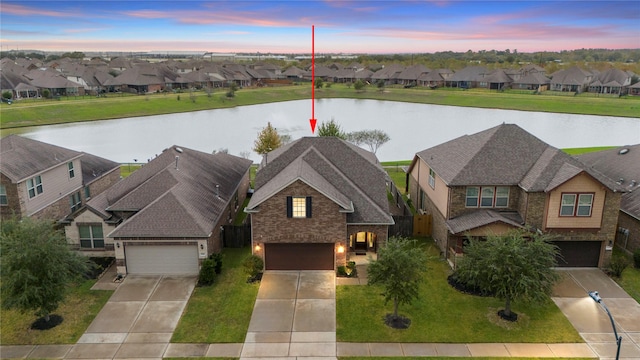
(294, 316)
(591, 321)
(138, 320)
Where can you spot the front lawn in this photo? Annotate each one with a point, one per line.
(78, 311)
(220, 313)
(444, 315)
(630, 282)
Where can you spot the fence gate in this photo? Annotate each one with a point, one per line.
(422, 225)
(236, 236)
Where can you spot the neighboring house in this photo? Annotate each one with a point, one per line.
(411, 74)
(572, 79)
(467, 78)
(505, 178)
(622, 165)
(611, 81)
(496, 80)
(635, 89)
(532, 81)
(389, 74)
(166, 216)
(315, 200)
(45, 181)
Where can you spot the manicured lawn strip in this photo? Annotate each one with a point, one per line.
(220, 313)
(78, 311)
(630, 282)
(454, 358)
(127, 169)
(45, 112)
(579, 151)
(445, 315)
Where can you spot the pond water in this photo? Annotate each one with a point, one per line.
(412, 128)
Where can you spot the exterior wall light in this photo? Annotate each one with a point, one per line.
(257, 248)
(340, 249)
(118, 245)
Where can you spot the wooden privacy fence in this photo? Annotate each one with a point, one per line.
(411, 225)
(236, 236)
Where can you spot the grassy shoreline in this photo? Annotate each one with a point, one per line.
(49, 112)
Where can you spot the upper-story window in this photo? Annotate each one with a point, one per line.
(3, 196)
(72, 172)
(34, 186)
(576, 204)
(75, 200)
(298, 206)
(487, 196)
(432, 178)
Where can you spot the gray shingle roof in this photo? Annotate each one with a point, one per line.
(345, 173)
(620, 166)
(172, 202)
(483, 217)
(504, 155)
(22, 158)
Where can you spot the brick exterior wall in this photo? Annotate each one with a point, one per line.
(326, 225)
(58, 210)
(632, 242)
(103, 183)
(13, 199)
(381, 231)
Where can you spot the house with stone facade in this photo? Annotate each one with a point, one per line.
(46, 181)
(622, 164)
(316, 201)
(167, 216)
(505, 178)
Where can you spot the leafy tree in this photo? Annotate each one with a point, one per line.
(400, 268)
(372, 138)
(7, 95)
(233, 87)
(331, 128)
(513, 266)
(380, 85)
(358, 85)
(268, 140)
(318, 83)
(37, 266)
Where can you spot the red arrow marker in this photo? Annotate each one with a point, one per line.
(313, 120)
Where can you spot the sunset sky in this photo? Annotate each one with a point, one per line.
(340, 26)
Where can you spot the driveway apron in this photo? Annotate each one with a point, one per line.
(294, 316)
(591, 321)
(138, 320)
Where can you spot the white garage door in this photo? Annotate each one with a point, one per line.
(162, 259)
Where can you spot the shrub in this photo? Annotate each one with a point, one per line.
(217, 258)
(636, 259)
(207, 274)
(617, 265)
(253, 266)
(7, 95)
(46, 93)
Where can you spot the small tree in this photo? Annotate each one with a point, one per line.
(7, 95)
(400, 268)
(318, 83)
(514, 266)
(380, 84)
(358, 85)
(37, 266)
(331, 128)
(268, 140)
(373, 138)
(233, 87)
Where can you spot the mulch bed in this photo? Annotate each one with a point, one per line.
(42, 324)
(399, 322)
(464, 288)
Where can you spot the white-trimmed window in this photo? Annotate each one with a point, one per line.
(72, 172)
(432, 178)
(3, 196)
(91, 236)
(75, 200)
(34, 186)
(299, 207)
(487, 196)
(576, 204)
(473, 193)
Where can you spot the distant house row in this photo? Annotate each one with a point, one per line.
(67, 77)
(319, 200)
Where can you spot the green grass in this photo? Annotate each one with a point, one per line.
(78, 311)
(220, 313)
(436, 316)
(127, 169)
(455, 358)
(46, 112)
(580, 151)
(630, 282)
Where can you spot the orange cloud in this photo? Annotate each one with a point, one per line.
(21, 10)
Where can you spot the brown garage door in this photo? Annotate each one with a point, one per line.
(579, 253)
(299, 256)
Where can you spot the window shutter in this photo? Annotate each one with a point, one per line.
(308, 207)
(289, 206)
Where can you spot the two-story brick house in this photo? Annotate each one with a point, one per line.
(316, 200)
(505, 178)
(45, 181)
(165, 217)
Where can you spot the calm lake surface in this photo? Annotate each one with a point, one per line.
(412, 128)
